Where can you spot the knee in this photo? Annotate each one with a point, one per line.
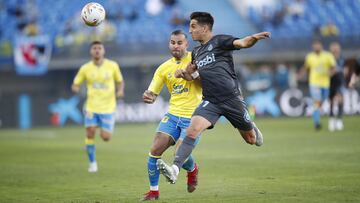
(317, 104)
(193, 132)
(105, 136)
(340, 98)
(90, 136)
(155, 151)
(90, 133)
(106, 139)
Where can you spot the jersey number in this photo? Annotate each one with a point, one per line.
(205, 103)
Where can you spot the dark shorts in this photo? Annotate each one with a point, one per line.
(233, 109)
(337, 83)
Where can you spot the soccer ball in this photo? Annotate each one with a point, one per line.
(93, 14)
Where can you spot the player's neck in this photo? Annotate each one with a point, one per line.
(98, 62)
(207, 37)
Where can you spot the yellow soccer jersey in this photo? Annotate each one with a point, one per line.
(319, 66)
(185, 95)
(100, 83)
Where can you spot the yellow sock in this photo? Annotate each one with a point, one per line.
(156, 157)
(89, 141)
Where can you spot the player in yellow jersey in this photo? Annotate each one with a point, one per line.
(185, 96)
(104, 83)
(321, 65)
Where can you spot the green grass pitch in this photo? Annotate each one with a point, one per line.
(296, 164)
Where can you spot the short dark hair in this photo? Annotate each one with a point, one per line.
(317, 41)
(203, 18)
(179, 32)
(95, 43)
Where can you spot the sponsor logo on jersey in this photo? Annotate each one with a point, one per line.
(99, 85)
(210, 47)
(208, 59)
(178, 89)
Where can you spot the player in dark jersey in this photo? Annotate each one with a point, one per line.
(354, 73)
(337, 88)
(212, 63)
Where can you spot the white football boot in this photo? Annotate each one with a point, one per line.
(339, 125)
(168, 171)
(93, 168)
(331, 124)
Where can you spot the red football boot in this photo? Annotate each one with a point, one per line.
(192, 181)
(151, 195)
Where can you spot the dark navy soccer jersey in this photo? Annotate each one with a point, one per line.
(340, 62)
(215, 64)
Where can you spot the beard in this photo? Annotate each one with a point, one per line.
(176, 54)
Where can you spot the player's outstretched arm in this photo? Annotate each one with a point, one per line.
(332, 71)
(302, 72)
(249, 41)
(120, 89)
(149, 97)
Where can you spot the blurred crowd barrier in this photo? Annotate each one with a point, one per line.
(270, 90)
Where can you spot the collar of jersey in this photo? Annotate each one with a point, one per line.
(181, 60)
(92, 63)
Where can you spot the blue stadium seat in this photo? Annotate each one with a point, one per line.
(344, 14)
(129, 30)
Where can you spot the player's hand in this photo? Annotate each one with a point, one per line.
(149, 97)
(191, 68)
(351, 85)
(353, 81)
(179, 73)
(261, 35)
(120, 94)
(75, 88)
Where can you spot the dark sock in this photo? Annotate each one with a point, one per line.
(189, 164)
(341, 109)
(331, 109)
(184, 151)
